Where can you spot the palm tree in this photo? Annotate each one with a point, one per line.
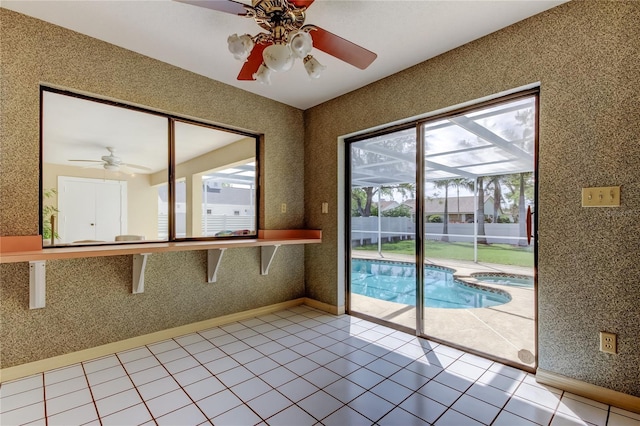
(464, 183)
(445, 183)
(496, 182)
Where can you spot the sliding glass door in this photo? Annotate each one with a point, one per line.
(478, 282)
(441, 224)
(382, 226)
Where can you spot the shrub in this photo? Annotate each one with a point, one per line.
(400, 211)
(503, 219)
(434, 218)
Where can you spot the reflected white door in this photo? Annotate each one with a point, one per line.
(91, 209)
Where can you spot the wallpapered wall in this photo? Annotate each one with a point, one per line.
(586, 57)
(89, 301)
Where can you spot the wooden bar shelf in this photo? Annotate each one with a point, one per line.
(29, 249)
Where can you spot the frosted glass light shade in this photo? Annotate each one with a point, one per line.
(240, 46)
(263, 75)
(301, 44)
(313, 67)
(278, 57)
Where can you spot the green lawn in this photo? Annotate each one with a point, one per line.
(504, 254)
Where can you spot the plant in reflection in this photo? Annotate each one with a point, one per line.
(48, 211)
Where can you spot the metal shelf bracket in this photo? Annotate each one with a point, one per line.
(214, 256)
(266, 257)
(139, 265)
(37, 284)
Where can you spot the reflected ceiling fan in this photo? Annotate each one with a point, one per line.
(287, 39)
(112, 162)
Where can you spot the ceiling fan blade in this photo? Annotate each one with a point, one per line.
(253, 62)
(136, 166)
(341, 48)
(301, 3)
(228, 6)
(89, 161)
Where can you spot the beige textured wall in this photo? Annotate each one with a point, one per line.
(88, 300)
(586, 56)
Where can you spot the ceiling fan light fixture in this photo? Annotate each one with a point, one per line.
(286, 39)
(301, 44)
(111, 167)
(313, 67)
(240, 46)
(263, 75)
(278, 57)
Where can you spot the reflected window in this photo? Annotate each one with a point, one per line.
(215, 178)
(106, 167)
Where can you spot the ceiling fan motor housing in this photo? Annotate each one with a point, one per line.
(271, 14)
(111, 159)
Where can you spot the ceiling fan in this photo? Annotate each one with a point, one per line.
(286, 39)
(112, 162)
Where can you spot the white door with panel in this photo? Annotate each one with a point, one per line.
(91, 209)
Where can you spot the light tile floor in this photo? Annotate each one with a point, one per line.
(296, 367)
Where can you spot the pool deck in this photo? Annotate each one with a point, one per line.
(505, 331)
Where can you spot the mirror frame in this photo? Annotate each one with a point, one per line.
(171, 166)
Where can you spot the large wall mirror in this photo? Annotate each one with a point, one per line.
(106, 167)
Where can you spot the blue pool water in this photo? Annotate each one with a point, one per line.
(396, 282)
(504, 279)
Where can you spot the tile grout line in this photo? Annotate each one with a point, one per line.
(258, 376)
(93, 400)
(213, 375)
(135, 387)
(297, 375)
(177, 382)
(319, 366)
(44, 400)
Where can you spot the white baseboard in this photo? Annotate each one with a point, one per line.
(587, 390)
(24, 370)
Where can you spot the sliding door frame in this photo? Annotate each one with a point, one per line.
(419, 214)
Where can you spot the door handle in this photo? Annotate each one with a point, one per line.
(529, 217)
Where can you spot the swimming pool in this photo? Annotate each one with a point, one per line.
(512, 280)
(396, 282)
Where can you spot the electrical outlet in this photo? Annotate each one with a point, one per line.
(325, 208)
(283, 208)
(608, 343)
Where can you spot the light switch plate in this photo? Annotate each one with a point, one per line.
(603, 196)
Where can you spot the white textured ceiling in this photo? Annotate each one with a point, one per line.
(402, 33)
